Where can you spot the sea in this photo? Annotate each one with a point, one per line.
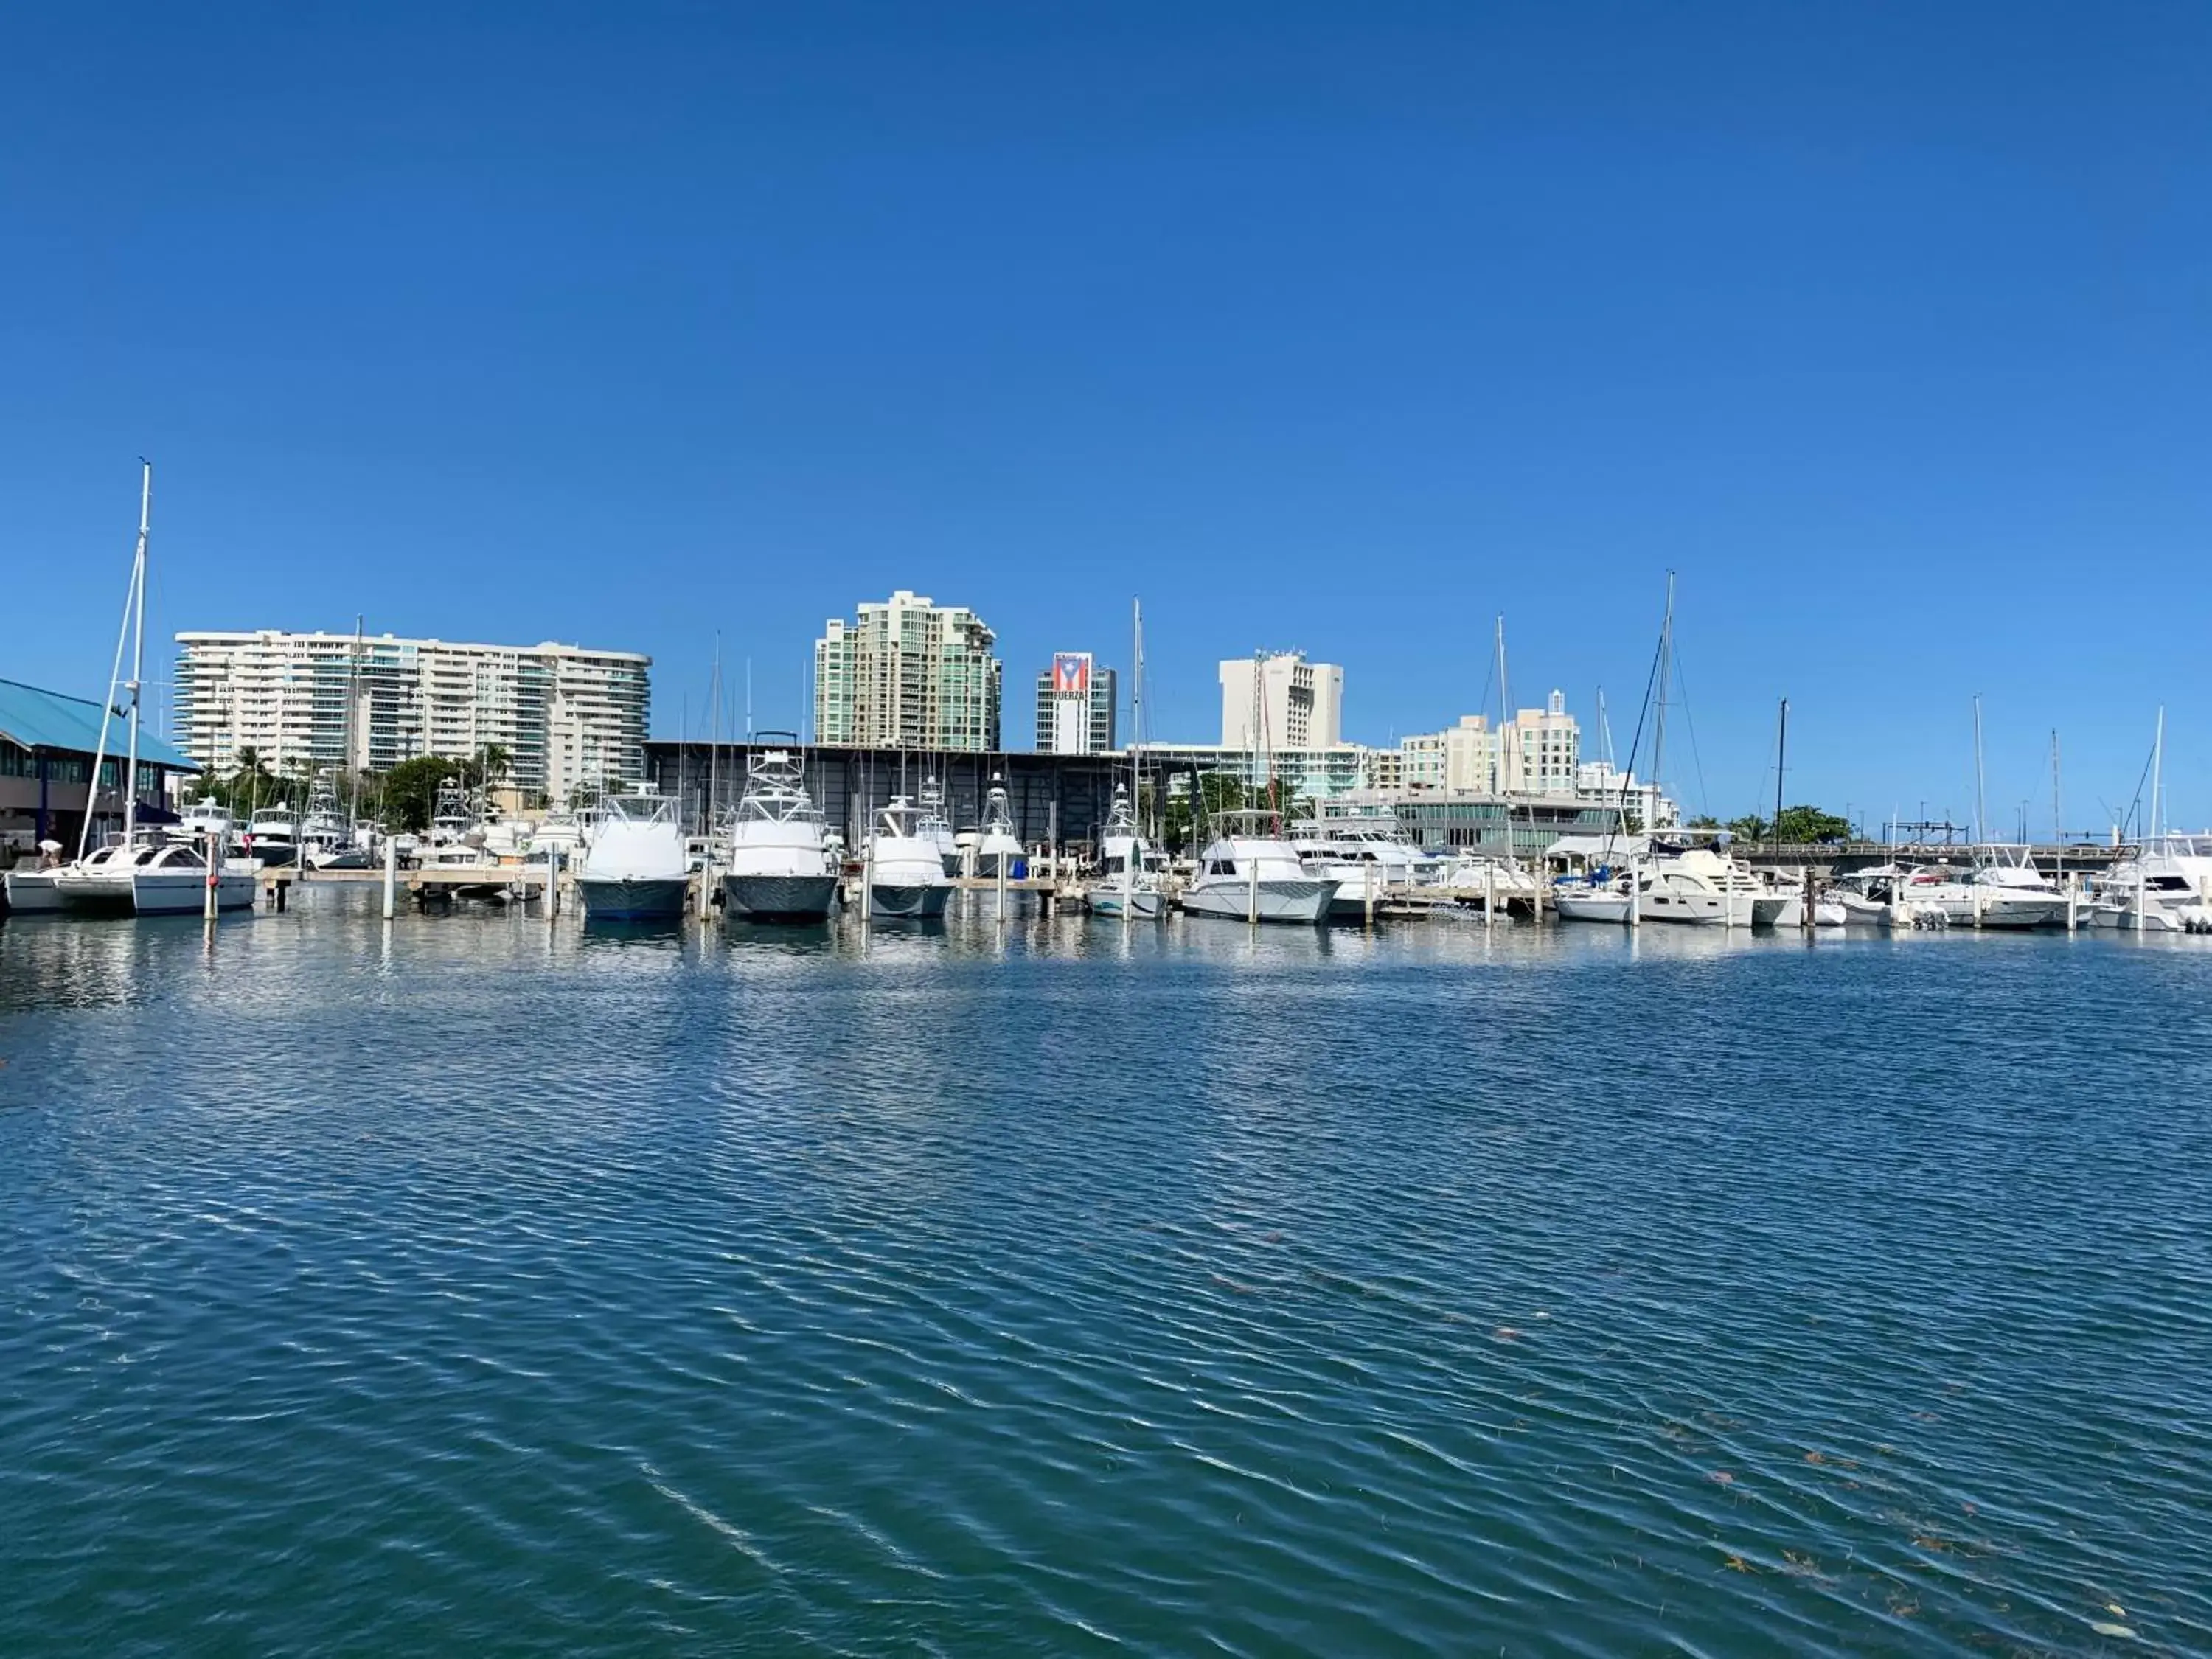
(468, 1284)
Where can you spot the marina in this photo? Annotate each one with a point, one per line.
(495, 1242)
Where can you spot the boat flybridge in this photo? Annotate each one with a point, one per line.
(1250, 874)
(905, 874)
(779, 860)
(1366, 855)
(996, 847)
(204, 818)
(2166, 888)
(272, 836)
(1132, 872)
(636, 869)
(933, 826)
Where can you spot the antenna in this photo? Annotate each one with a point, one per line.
(1981, 805)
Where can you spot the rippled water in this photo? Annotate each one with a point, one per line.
(469, 1287)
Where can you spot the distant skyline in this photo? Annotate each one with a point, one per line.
(1339, 329)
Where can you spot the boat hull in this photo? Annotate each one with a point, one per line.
(780, 898)
(1696, 909)
(97, 896)
(184, 893)
(1299, 901)
(648, 898)
(1613, 907)
(898, 901)
(1144, 904)
(32, 892)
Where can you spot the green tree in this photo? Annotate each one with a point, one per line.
(1217, 792)
(1811, 823)
(409, 791)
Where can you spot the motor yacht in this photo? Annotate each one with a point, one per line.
(204, 818)
(1696, 884)
(2164, 889)
(996, 848)
(1250, 873)
(635, 870)
(1365, 856)
(272, 837)
(1132, 873)
(905, 874)
(933, 826)
(779, 869)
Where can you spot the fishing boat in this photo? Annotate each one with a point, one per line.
(779, 868)
(1250, 873)
(933, 827)
(326, 839)
(904, 873)
(272, 837)
(995, 848)
(204, 818)
(635, 870)
(1132, 874)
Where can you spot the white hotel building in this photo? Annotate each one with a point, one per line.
(566, 715)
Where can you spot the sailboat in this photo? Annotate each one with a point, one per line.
(779, 862)
(1135, 872)
(1604, 893)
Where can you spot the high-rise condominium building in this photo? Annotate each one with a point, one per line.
(565, 716)
(1075, 706)
(908, 674)
(1534, 753)
(1281, 702)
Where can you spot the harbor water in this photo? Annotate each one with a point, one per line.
(466, 1285)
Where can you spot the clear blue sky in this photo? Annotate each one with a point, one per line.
(1342, 327)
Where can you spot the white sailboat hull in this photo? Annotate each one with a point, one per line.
(32, 892)
(183, 892)
(1614, 908)
(1696, 909)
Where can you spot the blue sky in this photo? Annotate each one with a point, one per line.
(1344, 328)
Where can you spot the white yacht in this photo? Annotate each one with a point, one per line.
(1696, 884)
(2012, 892)
(272, 837)
(1252, 874)
(326, 839)
(204, 818)
(995, 846)
(779, 868)
(153, 878)
(1482, 872)
(2164, 889)
(1604, 895)
(1132, 874)
(38, 891)
(905, 874)
(1364, 856)
(635, 870)
(933, 826)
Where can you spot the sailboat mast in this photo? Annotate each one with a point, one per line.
(1665, 673)
(2058, 822)
(138, 647)
(2157, 773)
(1981, 805)
(1137, 712)
(353, 705)
(1781, 760)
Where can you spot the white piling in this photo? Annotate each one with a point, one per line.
(1490, 896)
(214, 871)
(391, 873)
